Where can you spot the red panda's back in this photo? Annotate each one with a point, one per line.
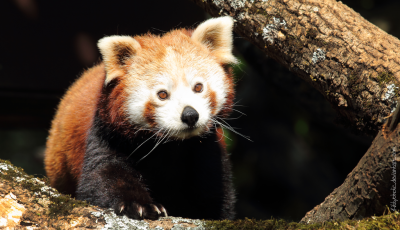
(66, 143)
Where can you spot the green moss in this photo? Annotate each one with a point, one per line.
(59, 204)
(263, 12)
(12, 172)
(390, 221)
(252, 224)
(33, 187)
(28, 182)
(254, 10)
(62, 205)
(385, 78)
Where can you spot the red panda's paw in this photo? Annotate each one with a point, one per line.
(151, 211)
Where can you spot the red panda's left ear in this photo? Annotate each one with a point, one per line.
(216, 34)
(116, 50)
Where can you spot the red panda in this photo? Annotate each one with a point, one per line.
(139, 133)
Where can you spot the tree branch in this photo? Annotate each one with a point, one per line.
(356, 67)
(28, 202)
(371, 187)
(353, 63)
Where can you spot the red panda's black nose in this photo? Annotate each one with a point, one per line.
(189, 116)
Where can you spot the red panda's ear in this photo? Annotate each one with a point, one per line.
(216, 34)
(116, 50)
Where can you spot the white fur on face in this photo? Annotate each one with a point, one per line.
(181, 74)
(169, 115)
(182, 66)
(136, 103)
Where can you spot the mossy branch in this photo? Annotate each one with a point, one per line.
(26, 201)
(33, 203)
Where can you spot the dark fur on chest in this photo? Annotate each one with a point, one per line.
(190, 178)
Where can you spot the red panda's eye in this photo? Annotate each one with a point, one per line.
(198, 87)
(162, 95)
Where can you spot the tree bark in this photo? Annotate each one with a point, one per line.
(28, 202)
(356, 67)
(353, 63)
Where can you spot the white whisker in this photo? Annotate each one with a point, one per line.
(231, 129)
(223, 120)
(160, 140)
(239, 112)
(143, 143)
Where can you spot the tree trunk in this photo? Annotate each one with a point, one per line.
(370, 188)
(354, 64)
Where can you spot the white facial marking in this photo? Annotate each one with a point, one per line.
(137, 100)
(168, 116)
(177, 73)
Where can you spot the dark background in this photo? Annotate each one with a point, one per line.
(297, 156)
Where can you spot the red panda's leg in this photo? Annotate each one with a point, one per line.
(109, 181)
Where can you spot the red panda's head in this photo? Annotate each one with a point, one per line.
(176, 84)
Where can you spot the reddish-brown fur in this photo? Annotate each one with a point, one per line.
(149, 113)
(220, 137)
(74, 118)
(67, 141)
(227, 107)
(112, 104)
(213, 101)
(113, 109)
